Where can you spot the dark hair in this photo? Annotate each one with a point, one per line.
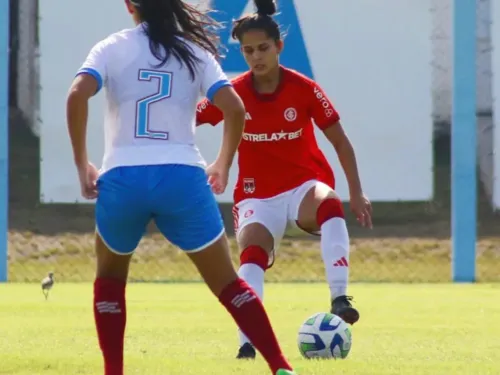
(169, 23)
(261, 20)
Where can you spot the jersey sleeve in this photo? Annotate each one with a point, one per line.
(95, 64)
(207, 113)
(322, 110)
(213, 77)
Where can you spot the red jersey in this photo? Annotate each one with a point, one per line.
(278, 151)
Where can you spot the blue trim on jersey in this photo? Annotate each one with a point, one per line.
(216, 87)
(94, 73)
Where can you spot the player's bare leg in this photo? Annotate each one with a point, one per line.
(321, 209)
(215, 266)
(257, 244)
(109, 305)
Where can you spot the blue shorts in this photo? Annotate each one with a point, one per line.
(177, 197)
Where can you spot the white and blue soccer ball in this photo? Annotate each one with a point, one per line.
(325, 336)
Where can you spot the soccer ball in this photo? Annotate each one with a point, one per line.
(326, 336)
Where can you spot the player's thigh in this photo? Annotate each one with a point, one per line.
(110, 265)
(260, 223)
(256, 234)
(121, 210)
(304, 204)
(186, 211)
(214, 265)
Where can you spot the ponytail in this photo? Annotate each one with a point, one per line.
(265, 7)
(262, 20)
(170, 23)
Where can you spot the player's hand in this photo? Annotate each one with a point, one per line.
(362, 208)
(88, 175)
(218, 175)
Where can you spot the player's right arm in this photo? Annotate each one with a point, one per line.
(220, 92)
(88, 81)
(90, 78)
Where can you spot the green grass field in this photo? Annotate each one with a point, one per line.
(180, 329)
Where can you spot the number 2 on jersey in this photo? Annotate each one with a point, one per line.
(142, 111)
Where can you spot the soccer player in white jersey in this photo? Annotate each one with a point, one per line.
(152, 169)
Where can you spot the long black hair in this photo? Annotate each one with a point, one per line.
(262, 20)
(170, 23)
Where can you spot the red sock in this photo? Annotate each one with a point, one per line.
(328, 209)
(249, 313)
(110, 318)
(255, 255)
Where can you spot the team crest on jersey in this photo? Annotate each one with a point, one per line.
(249, 185)
(290, 114)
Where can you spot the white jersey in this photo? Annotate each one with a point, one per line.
(150, 112)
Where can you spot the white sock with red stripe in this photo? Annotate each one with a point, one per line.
(335, 252)
(254, 261)
(334, 246)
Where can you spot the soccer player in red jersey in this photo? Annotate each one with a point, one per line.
(283, 175)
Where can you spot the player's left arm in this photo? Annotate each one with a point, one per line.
(207, 113)
(89, 80)
(338, 138)
(328, 120)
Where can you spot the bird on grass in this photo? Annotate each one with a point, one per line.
(47, 284)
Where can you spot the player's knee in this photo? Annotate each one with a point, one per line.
(254, 254)
(328, 209)
(257, 244)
